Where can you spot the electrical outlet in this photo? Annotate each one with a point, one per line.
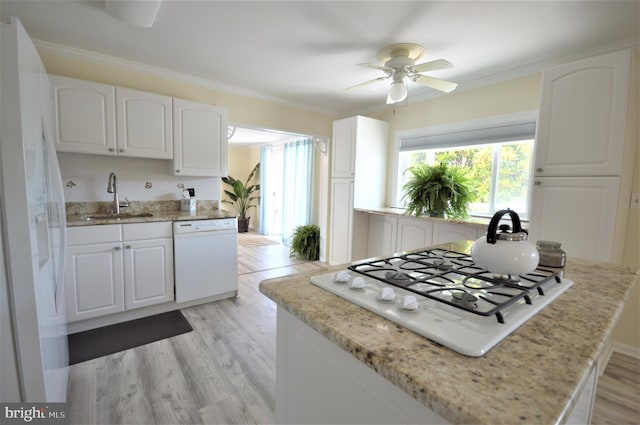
(635, 200)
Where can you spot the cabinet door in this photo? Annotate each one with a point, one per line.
(446, 232)
(143, 124)
(148, 272)
(583, 403)
(581, 127)
(93, 281)
(578, 212)
(84, 116)
(199, 139)
(382, 235)
(341, 221)
(414, 233)
(343, 148)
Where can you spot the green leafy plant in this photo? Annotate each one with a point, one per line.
(305, 242)
(437, 190)
(242, 195)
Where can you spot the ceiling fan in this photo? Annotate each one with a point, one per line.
(400, 64)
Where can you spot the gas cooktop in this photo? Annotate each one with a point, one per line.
(445, 297)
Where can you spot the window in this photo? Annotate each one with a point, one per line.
(497, 155)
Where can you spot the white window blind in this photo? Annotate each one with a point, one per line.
(468, 137)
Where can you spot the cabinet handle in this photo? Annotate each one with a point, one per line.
(120, 150)
(128, 246)
(537, 183)
(110, 149)
(538, 170)
(117, 248)
(177, 171)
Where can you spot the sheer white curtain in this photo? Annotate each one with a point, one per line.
(298, 185)
(265, 190)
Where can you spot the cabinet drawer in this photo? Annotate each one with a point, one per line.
(94, 234)
(135, 231)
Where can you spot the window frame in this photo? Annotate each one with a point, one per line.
(530, 116)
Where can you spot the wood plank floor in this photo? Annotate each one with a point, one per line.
(618, 394)
(223, 372)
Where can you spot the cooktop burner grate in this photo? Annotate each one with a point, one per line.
(454, 279)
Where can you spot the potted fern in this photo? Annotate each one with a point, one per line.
(437, 190)
(242, 197)
(305, 242)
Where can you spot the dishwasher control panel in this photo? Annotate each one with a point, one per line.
(213, 225)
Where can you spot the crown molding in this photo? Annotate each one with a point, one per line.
(106, 60)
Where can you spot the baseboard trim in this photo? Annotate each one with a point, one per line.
(627, 350)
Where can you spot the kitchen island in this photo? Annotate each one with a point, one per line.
(545, 372)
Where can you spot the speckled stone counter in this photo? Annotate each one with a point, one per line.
(530, 377)
(77, 212)
(478, 222)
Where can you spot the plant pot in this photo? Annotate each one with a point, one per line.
(243, 224)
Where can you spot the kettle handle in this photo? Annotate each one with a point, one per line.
(493, 224)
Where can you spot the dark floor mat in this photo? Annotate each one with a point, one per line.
(111, 339)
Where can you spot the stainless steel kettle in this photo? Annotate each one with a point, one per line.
(505, 252)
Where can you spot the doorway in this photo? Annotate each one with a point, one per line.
(249, 145)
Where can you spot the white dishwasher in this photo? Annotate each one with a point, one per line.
(206, 258)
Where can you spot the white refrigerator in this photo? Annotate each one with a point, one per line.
(33, 333)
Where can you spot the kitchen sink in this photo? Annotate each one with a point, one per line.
(117, 216)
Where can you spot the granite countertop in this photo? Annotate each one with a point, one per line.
(77, 212)
(482, 222)
(530, 377)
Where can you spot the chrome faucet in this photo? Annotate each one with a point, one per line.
(112, 187)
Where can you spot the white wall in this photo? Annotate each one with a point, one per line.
(85, 178)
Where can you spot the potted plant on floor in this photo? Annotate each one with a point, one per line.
(241, 196)
(305, 242)
(437, 190)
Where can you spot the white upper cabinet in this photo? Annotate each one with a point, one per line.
(143, 124)
(344, 148)
(102, 119)
(199, 139)
(84, 116)
(359, 152)
(582, 121)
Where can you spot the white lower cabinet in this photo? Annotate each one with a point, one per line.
(413, 233)
(319, 383)
(445, 232)
(341, 221)
(583, 402)
(148, 272)
(391, 233)
(113, 268)
(94, 280)
(587, 227)
(382, 235)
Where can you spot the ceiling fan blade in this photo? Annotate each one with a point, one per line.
(366, 83)
(432, 65)
(376, 66)
(434, 83)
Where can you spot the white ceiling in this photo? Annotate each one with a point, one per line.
(305, 52)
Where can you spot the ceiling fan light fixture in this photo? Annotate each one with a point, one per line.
(398, 92)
